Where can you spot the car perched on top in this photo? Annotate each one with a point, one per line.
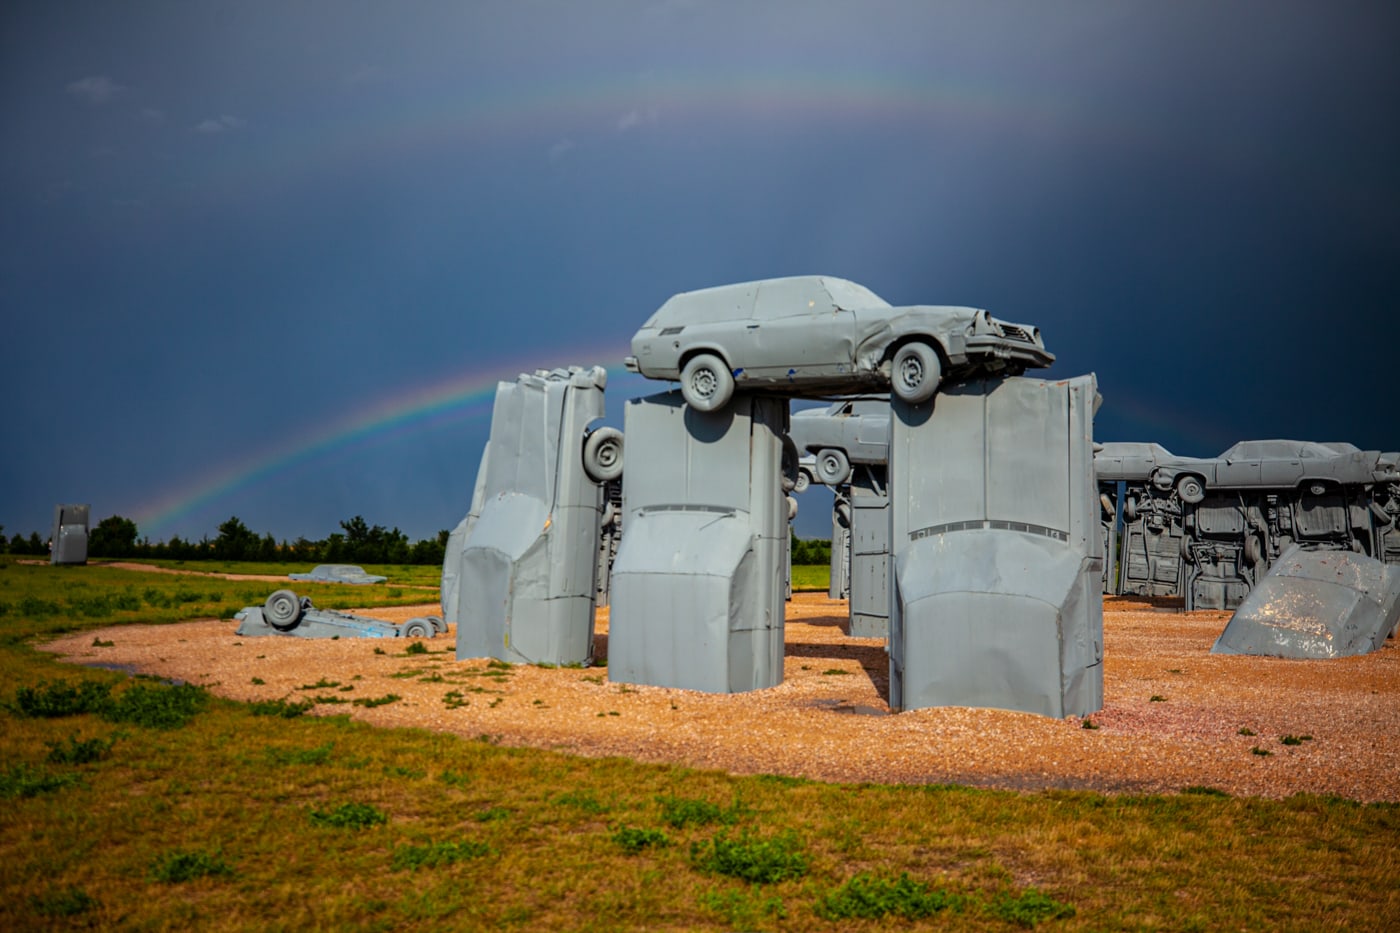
(819, 335)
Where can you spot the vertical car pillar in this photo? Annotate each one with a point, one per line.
(995, 541)
(697, 586)
(840, 585)
(869, 612)
(68, 542)
(526, 573)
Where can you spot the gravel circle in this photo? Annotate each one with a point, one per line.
(1174, 716)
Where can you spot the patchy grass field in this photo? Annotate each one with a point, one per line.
(135, 803)
(808, 577)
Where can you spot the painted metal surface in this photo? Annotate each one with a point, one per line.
(526, 580)
(456, 539)
(818, 334)
(996, 548)
(1316, 604)
(839, 586)
(697, 586)
(868, 613)
(68, 541)
(286, 613)
(846, 433)
(338, 573)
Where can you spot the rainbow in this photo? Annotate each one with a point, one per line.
(461, 397)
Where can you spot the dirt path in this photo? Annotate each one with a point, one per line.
(1174, 716)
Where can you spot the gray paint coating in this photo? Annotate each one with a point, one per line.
(296, 617)
(1316, 604)
(996, 548)
(338, 573)
(68, 542)
(526, 573)
(697, 586)
(868, 611)
(456, 539)
(815, 334)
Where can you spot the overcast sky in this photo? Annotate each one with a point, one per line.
(247, 245)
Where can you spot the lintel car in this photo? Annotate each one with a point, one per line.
(819, 335)
(846, 432)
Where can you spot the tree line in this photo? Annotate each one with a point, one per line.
(357, 542)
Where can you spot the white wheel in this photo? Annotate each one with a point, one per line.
(602, 455)
(706, 383)
(417, 628)
(915, 373)
(833, 466)
(1190, 489)
(282, 610)
(804, 482)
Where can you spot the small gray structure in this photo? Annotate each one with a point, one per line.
(527, 565)
(338, 573)
(286, 613)
(1316, 604)
(839, 586)
(868, 613)
(68, 542)
(697, 586)
(996, 549)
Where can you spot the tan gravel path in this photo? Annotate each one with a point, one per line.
(829, 719)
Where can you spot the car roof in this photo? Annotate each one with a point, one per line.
(1250, 450)
(764, 298)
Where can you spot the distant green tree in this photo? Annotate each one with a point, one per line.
(235, 542)
(113, 537)
(36, 544)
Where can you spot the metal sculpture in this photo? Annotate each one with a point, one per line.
(697, 586)
(996, 549)
(68, 542)
(526, 570)
(286, 613)
(338, 573)
(1316, 604)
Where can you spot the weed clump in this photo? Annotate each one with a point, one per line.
(1029, 908)
(416, 647)
(349, 816)
(758, 861)
(158, 707)
(632, 841)
(76, 751)
(281, 709)
(54, 700)
(25, 780)
(437, 854)
(678, 812)
(868, 898)
(369, 702)
(183, 865)
(66, 902)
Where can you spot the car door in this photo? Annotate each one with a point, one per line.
(798, 334)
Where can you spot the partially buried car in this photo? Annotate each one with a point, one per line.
(820, 335)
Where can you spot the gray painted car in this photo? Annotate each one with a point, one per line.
(852, 431)
(338, 573)
(813, 334)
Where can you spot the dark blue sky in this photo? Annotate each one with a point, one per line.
(234, 230)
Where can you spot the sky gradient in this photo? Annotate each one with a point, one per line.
(268, 259)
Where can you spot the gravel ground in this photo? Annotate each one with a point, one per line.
(1173, 713)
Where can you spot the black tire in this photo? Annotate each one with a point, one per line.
(803, 483)
(1190, 489)
(789, 465)
(833, 466)
(417, 628)
(915, 372)
(282, 610)
(706, 382)
(602, 455)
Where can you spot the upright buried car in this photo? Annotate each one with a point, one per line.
(814, 334)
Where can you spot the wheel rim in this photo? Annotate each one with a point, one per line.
(607, 455)
(911, 371)
(703, 383)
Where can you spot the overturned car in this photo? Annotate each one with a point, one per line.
(286, 613)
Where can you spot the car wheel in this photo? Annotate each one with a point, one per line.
(833, 468)
(1107, 504)
(1190, 489)
(804, 482)
(602, 455)
(282, 610)
(1130, 510)
(1253, 551)
(417, 628)
(791, 508)
(843, 514)
(706, 383)
(915, 373)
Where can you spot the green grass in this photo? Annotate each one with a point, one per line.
(432, 831)
(809, 577)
